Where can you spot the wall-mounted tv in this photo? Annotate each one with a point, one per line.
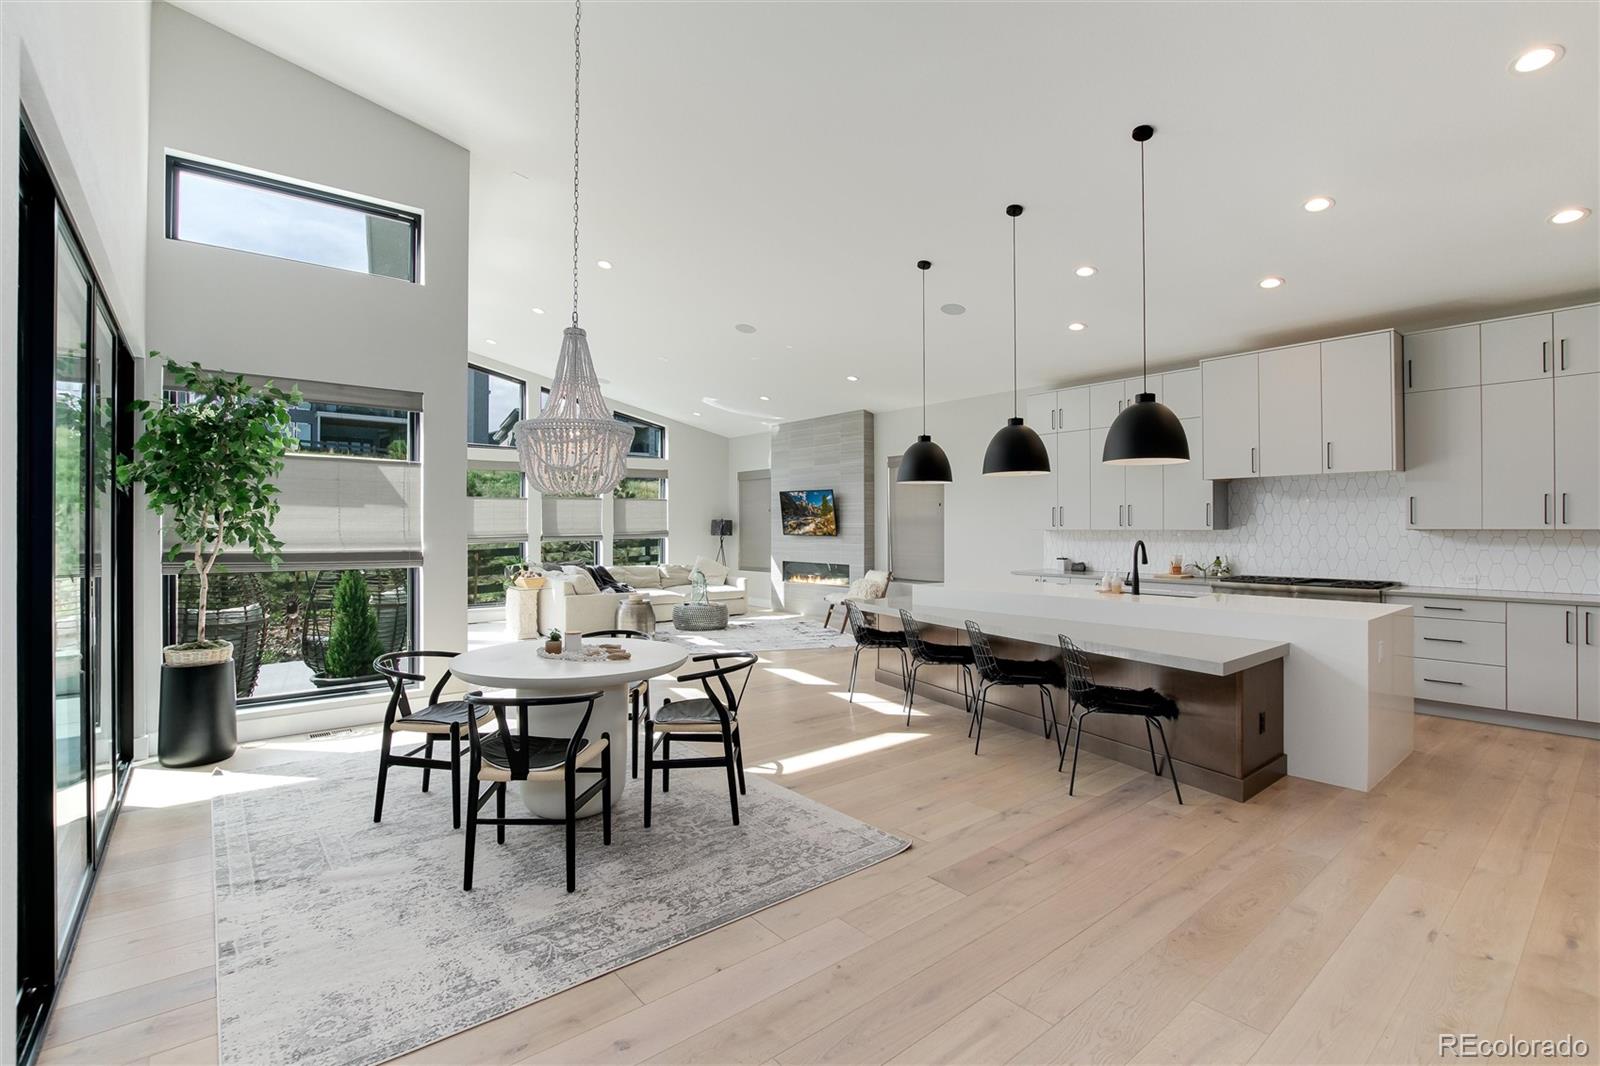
(808, 513)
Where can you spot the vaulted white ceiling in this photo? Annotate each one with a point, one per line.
(784, 165)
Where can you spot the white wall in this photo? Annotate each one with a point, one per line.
(1340, 525)
(213, 95)
(81, 72)
(696, 463)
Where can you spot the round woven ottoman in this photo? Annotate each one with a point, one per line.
(698, 617)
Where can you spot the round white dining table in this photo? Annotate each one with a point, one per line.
(518, 666)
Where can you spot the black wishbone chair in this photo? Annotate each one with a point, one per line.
(1089, 698)
(638, 692)
(703, 719)
(872, 637)
(512, 755)
(438, 721)
(1023, 673)
(930, 653)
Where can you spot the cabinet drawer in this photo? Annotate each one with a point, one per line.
(1462, 642)
(1469, 683)
(1450, 607)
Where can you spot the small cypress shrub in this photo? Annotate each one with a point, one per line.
(353, 635)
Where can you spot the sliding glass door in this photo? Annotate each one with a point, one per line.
(74, 538)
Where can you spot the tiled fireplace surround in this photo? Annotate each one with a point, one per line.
(1352, 525)
(835, 453)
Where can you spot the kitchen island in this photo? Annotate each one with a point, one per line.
(1336, 674)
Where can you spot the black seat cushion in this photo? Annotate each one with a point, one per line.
(1033, 671)
(950, 654)
(1110, 699)
(544, 753)
(687, 712)
(450, 712)
(868, 637)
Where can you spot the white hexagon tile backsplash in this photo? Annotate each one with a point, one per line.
(1353, 525)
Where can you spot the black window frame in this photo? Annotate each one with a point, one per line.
(635, 423)
(178, 163)
(522, 404)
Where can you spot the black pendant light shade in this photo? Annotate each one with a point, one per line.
(1146, 433)
(924, 463)
(1015, 451)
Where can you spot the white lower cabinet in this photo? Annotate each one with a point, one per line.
(1589, 665)
(1542, 659)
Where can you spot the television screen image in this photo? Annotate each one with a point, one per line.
(808, 513)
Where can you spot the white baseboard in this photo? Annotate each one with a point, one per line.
(1539, 723)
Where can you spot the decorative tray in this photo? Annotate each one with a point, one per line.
(588, 654)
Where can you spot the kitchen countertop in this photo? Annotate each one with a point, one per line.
(1094, 575)
(1202, 653)
(1472, 593)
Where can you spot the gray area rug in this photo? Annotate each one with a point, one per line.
(341, 941)
(760, 633)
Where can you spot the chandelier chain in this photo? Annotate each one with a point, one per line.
(577, 113)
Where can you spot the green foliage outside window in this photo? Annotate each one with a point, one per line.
(353, 637)
(497, 484)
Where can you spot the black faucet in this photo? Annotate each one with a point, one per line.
(1138, 551)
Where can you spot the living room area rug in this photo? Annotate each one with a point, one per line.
(760, 632)
(341, 941)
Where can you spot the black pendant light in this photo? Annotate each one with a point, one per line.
(1015, 451)
(1146, 433)
(924, 463)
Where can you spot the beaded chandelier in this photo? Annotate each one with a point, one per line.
(574, 447)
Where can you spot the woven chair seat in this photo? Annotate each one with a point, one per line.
(689, 716)
(547, 757)
(437, 718)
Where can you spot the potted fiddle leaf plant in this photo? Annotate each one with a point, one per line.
(209, 453)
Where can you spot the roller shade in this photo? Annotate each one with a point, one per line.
(755, 519)
(337, 511)
(572, 517)
(497, 519)
(640, 517)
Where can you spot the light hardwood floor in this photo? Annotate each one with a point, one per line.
(1311, 924)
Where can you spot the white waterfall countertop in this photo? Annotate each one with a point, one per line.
(1347, 663)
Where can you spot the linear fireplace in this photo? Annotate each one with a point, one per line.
(816, 573)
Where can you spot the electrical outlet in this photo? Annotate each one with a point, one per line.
(1467, 579)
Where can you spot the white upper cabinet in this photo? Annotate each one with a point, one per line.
(1444, 459)
(1290, 433)
(1442, 359)
(1039, 412)
(1188, 500)
(1577, 339)
(1230, 395)
(1518, 456)
(1105, 403)
(1142, 496)
(1072, 478)
(1072, 408)
(1107, 486)
(1180, 390)
(1577, 446)
(1518, 349)
(1359, 403)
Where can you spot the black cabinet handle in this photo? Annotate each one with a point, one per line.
(1411, 506)
(1444, 640)
(1408, 373)
(1588, 617)
(1547, 508)
(1431, 607)
(1544, 357)
(1442, 681)
(1563, 353)
(1567, 630)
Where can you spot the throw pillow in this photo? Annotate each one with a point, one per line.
(674, 574)
(640, 577)
(869, 586)
(716, 573)
(582, 583)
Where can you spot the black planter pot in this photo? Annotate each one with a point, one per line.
(198, 714)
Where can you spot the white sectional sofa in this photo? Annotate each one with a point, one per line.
(569, 602)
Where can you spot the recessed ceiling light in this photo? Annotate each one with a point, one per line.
(1085, 272)
(1537, 58)
(766, 399)
(1568, 215)
(1076, 327)
(851, 377)
(538, 310)
(1318, 203)
(486, 340)
(1270, 282)
(603, 264)
(744, 327)
(953, 309)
